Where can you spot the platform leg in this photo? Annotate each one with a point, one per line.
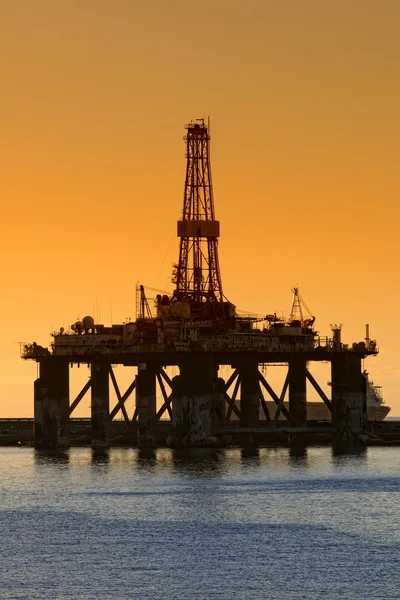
(349, 412)
(192, 403)
(100, 406)
(146, 405)
(298, 392)
(51, 405)
(249, 396)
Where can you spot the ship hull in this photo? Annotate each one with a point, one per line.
(377, 413)
(318, 411)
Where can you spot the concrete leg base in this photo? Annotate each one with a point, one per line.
(193, 400)
(348, 401)
(51, 405)
(192, 420)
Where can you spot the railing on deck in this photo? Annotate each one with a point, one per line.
(240, 342)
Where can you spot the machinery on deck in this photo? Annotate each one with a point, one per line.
(196, 315)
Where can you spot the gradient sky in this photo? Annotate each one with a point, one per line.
(304, 101)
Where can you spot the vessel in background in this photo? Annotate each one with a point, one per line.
(377, 410)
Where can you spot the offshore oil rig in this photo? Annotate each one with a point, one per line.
(198, 330)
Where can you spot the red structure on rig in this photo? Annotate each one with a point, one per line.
(197, 276)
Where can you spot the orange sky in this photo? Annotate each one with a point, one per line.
(304, 101)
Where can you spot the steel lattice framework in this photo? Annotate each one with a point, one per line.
(198, 277)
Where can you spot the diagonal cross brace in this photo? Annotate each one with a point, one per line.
(231, 380)
(264, 404)
(281, 399)
(79, 397)
(319, 390)
(120, 403)
(231, 401)
(122, 400)
(274, 397)
(167, 399)
(165, 406)
(165, 377)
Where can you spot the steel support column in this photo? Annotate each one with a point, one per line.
(146, 405)
(349, 405)
(100, 407)
(249, 395)
(298, 392)
(51, 405)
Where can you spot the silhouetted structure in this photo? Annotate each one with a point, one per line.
(198, 330)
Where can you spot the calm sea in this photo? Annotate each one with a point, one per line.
(200, 525)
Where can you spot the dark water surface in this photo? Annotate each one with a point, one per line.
(200, 525)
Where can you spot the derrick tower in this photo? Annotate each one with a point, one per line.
(197, 275)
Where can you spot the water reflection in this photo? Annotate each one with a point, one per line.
(201, 462)
(51, 457)
(207, 462)
(100, 457)
(250, 452)
(341, 454)
(146, 460)
(147, 454)
(298, 454)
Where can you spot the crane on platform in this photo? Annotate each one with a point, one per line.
(143, 310)
(296, 312)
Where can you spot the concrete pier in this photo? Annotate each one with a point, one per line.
(193, 392)
(100, 405)
(146, 405)
(349, 404)
(298, 392)
(51, 405)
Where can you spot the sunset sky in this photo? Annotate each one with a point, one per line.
(304, 101)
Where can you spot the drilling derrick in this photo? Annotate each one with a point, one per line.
(197, 275)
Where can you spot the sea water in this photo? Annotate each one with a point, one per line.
(200, 524)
